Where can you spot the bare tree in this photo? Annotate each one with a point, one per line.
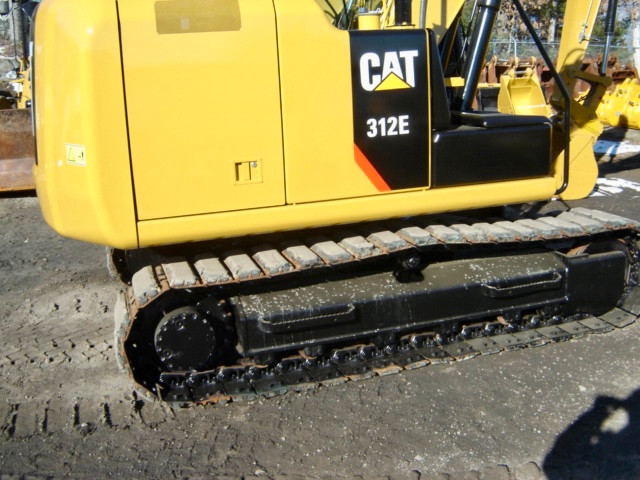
(635, 30)
(18, 27)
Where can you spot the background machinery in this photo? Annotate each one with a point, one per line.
(272, 219)
(16, 132)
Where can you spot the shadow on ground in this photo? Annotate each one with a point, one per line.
(618, 162)
(602, 443)
(614, 165)
(18, 194)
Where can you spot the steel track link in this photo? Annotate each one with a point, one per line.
(247, 380)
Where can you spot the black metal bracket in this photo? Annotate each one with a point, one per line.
(563, 89)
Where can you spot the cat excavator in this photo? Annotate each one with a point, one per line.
(297, 193)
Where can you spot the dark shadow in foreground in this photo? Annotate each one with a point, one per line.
(604, 443)
(614, 162)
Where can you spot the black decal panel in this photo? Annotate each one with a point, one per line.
(390, 107)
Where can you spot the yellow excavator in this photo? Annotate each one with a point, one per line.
(300, 192)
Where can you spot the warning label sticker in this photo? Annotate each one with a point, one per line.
(76, 155)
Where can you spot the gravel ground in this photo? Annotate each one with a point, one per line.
(569, 410)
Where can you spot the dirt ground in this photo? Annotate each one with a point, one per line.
(569, 410)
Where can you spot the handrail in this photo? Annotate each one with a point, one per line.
(563, 89)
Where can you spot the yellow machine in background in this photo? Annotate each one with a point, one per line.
(522, 95)
(17, 143)
(621, 107)
(241, 214)
(23, 85)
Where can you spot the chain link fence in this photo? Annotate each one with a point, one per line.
(504, 50)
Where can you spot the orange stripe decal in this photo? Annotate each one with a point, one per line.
(368, 169)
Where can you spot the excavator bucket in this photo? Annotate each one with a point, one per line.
(17, 150)
(621, 107)
(522, 95)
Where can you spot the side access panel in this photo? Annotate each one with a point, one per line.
(203, 103)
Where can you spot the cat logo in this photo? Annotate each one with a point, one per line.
(395, 71)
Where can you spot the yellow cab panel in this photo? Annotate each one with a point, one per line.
(172, 121)
(316, 103)
(348, 129)
(203, 103)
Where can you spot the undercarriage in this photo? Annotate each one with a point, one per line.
(295, 314)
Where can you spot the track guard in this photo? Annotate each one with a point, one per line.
(472, 289)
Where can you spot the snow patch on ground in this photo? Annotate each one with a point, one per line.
(606, 187)
(607, 147)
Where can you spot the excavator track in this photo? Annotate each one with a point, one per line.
(233, 283)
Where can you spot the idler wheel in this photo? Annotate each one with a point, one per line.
(185, 339)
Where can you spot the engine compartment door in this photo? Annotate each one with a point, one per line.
(203, 104)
